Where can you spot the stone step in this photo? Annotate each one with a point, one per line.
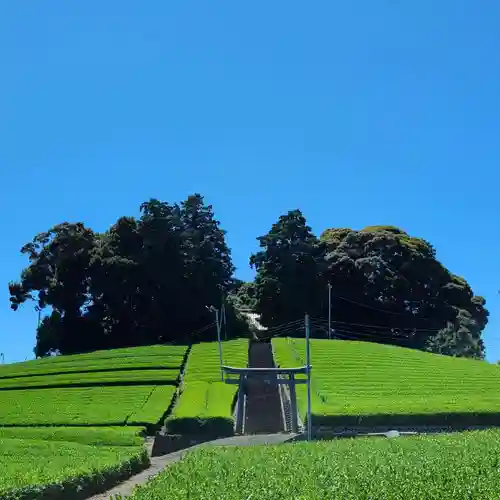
(263, 406)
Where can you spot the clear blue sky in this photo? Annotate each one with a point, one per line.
(357, 113)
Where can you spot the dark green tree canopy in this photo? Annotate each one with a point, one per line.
(386, 286)
(144, 281)
(150, 279)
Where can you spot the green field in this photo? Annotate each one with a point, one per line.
(366, 383)
(115, 377)
(48, 445)
(56, 463)
(98, 436)
(113, 405)
(454, 466)
(151, 357)
(131, 386)
(205, 404)
(203, 362)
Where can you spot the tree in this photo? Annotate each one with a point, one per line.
(288, 271)
(393, 283)
(57, 277)
(208, 265)
(144, 281)
(386, 286)
(243, 295)
(459, 338)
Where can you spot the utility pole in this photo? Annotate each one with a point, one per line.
(329, 311)
(223, 319)
(39, 315)
(308, 368)
(218, 322)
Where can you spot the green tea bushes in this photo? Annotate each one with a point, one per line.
(363, 383)
(447, 466)
(206, 404)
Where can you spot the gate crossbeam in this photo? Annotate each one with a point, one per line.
(271, 375)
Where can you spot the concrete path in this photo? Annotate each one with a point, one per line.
(159, 463)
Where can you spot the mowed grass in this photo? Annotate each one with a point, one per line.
(114, 405)
(36, 468)
(366, 383)
(206, 403)
(446, 466)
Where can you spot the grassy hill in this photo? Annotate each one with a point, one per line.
(132, 386)
(206, 403)
(55, 414)
(365, 383)
(72, 422)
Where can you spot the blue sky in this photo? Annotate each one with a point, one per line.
(358, 113)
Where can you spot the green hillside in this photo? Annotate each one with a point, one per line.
(366, 383)
(117, 387)
(206, 403)
(56, 415)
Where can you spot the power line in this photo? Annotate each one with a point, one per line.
(407, 315)
(375, 336)
(284, 331)
(283, 325)
(367, 336)
(410, 331)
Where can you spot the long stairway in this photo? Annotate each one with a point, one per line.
(263, 406)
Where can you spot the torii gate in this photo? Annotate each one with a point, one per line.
(271, 375)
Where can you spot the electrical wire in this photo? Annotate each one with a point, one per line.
(416, 318)
(351, 326)
(376, 337)
(410, 330)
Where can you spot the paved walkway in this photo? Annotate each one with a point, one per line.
(159, 463)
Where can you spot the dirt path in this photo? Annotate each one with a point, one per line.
(159, 463)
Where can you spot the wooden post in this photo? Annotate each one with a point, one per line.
(293, 403)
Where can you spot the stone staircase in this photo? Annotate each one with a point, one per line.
(264, 413)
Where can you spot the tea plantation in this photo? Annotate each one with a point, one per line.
(58, 463)
(50, 446)
(206, 403)
(447, 466)
(362, 383)
(74, 424)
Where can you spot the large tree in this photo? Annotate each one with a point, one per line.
(57, 277)
(143, 281)
(391, 282)
(288, 268)
(386, 286)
